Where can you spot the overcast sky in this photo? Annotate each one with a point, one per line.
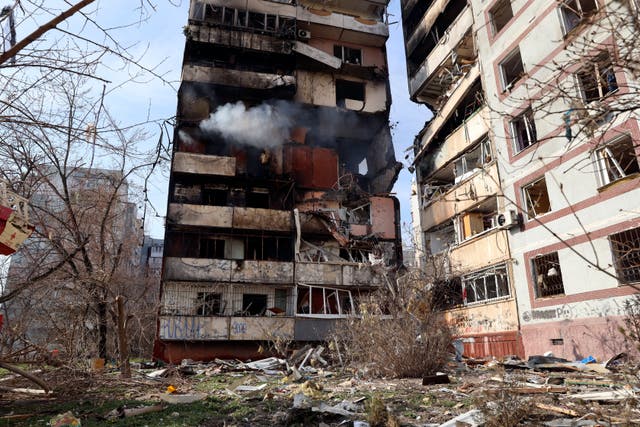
(160, 41)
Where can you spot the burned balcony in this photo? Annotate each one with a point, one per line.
(433, 26)
(342, 27)
(433, 72)
(447, 200)
(201, 164)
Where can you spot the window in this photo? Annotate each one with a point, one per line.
(347, 54)
(625, 247)
(208, 304)
(574, 11)
(324, 301)
(212, 248)
(547, 276)
(536, 198)
(597, 79)
(500, 15)
(485, 285)
(523, 130)
(472, 160)
(280, 300)
(254, 304)
(348, 90)
(214, 195)
(511, 69)
(616, 160)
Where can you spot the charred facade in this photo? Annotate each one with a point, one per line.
(279, 213)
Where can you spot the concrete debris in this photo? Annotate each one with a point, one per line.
(176, 399)
(473, 418)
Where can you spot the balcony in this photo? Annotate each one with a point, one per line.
(336, 26)
(457, 142)
(480, 251)
(237, 39)
(329, 274)
(454, 39)
(463, 196)
(229, 217)
(223, 270)
(200, 328)
(236, 78)
(202, 164)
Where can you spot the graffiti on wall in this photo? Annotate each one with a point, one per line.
(190, 328)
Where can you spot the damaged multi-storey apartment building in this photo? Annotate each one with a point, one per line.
(527, 177)
(279, 215)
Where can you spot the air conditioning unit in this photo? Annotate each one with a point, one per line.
(507, 219)
(304, 34)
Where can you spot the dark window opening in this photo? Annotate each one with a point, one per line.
(269, 249)
(254, 304)
(523, 129)
(213, 13)
(214, 196)
(547, 277)
(574, 11)
(208, 304)
(257, 20)
(536, 198)
(598, 79)
(511, 69)
(348, 90)
(348, 54)
(212, 248)
(617, 160)
(625, 247)
(500, 15)
(229, 16)
(258, 199)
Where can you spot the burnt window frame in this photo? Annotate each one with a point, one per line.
(499, 5)
(209, 304)
(248, 308)
(509, 83)
(361, 89)
(605, 159)
(527, 117)
(625, 251)
(545, 283)
(529, 204)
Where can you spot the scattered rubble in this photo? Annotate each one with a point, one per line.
(308, 389)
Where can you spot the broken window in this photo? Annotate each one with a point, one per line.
(500, 15)
(184, 193)
(208, 304)
(257, 20)
(511, 69)
(346, 89)
(229, 16)
(272, 23)
(213, 13)
(472, 161)
(280, 301)
(324, 301)
(258, 198)
(241, 18)
(269, 249)
(574, 11)
(214, 195)
(617, 159)
(212, 248)
(547, 277)
(485, 285)
(536, 198)
(254, 304)
(597, 79)
(625, 247)
(347, 54)
(523, 130)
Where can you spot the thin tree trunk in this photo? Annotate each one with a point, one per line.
(102, 329)
(123, 343)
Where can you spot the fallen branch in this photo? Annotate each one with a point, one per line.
(27, 375)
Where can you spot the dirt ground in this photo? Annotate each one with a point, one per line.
(233, 395)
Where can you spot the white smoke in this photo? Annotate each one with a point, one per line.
(260, 126)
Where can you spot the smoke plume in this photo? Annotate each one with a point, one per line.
(264, 125)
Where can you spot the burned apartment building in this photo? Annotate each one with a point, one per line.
(279, 215)
(527, 177)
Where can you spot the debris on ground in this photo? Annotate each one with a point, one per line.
(309, 388)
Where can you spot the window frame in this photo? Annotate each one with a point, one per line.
(343, 53)
(594, 71)
(540, 263)
(470, 285)
(494, 30)
(563, 10)
(207, 307)
(601, 163)
(508, 85)
(634, 255)
(528, 202)
(528, 117)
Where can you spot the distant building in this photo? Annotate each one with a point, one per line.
(151, 256)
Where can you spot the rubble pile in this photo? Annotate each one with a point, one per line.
(309, 388)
